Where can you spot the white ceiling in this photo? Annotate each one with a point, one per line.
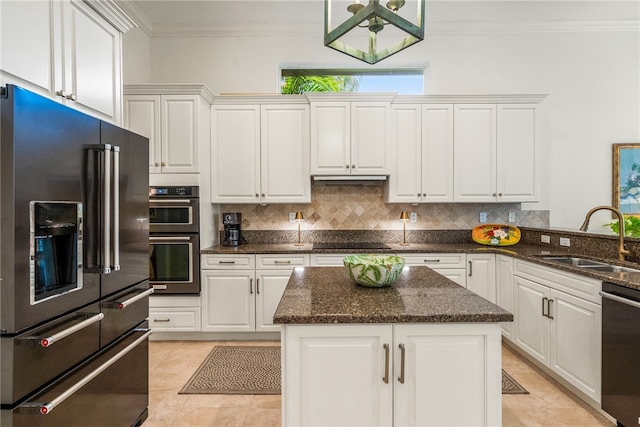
(166, 16)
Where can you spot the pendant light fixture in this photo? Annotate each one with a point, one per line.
(372, 19)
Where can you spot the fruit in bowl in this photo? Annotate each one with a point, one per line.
(372, 270)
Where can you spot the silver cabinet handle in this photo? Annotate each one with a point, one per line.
(71, 97)
(353, 166)
(402, 351)
(549, 308)
(494, 194)
(251, 286)
(500, 194)
(46, 408)
(50, 340)
(470, 268)
(347, 166)
(226, 262)
(156, 164)
(161, 320)
(622, 300)
(115, 265)
(544, 301)
(282, 262)
(386, 363)
(124, 304)
(431, 260)
(163, 164)
(257, 286)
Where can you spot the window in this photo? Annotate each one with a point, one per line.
(408, 81)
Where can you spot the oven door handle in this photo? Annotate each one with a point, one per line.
(170, 238)
(46, 408)
(119, 305)
(621, 300)
(180, 201)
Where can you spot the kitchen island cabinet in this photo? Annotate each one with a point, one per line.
(415, 353)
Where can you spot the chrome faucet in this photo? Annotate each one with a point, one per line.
(622, 252)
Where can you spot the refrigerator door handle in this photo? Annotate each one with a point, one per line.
(115, 265)
(106, 211)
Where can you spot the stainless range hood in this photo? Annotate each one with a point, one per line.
(349, 179)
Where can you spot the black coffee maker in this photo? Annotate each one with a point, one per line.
(232, 229)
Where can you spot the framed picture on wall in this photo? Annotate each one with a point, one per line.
(626, 178)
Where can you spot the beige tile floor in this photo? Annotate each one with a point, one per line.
(171, 364)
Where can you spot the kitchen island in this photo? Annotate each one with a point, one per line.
(423, 351)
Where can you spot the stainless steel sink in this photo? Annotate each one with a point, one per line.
(588, 264)
(575, 261)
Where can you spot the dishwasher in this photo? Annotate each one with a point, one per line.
(621, 353)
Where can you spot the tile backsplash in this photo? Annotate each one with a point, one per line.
(354, 207)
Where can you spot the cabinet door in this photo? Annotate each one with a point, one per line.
(92, 57)
(458, 275)
(284, 153)
(228, 301)
(504, 282)
(270, 286)
(405, 177)
(481, 275)
(29, 62)
(531, 327)
(446, 368)
(475, 153)
(179, 134)
(235, 154)
(370, 135)
(330, 138)
(335, 375)
(517, 153)
(437, 153)
(142, 116)
(576, 341)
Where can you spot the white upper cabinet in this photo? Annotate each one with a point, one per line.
(350, 136)
(422, 154)
(176, 120)
(67, 51)
(260, 152)
(496, 153)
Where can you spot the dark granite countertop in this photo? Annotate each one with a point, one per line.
(532, 253)
(327, 295)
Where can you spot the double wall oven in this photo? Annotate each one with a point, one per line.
(174, 240)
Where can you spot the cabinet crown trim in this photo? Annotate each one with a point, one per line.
(170, 89)
(471, 99)
(252, 99)
(351, 96)
(113, 13)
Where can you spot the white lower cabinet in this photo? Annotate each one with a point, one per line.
(504, 285)
(556, 328)
(481, 275)
(451, 266)
(384, 375)
(174, 313)
(238, 298)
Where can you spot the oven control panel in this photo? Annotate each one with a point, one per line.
(182, 191)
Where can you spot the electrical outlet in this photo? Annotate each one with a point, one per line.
(414, 217)
(483, 217)
(292, 217)
(565, 241)
(545, 239)
(512, 217)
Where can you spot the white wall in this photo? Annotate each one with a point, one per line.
(592, 78)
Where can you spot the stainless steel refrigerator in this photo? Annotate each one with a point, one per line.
(73, 267)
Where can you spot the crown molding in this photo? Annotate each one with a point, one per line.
(112, 12)
(139, 18)
(170, 89)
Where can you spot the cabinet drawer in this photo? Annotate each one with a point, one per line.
(282, 261)
(228, 262)
(436, 260)
(573, 284)
(327, 260)
(174, 318)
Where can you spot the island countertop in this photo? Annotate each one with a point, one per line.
(327, 295)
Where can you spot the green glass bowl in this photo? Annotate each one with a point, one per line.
(374, 271)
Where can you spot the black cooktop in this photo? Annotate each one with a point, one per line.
(350, 245)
